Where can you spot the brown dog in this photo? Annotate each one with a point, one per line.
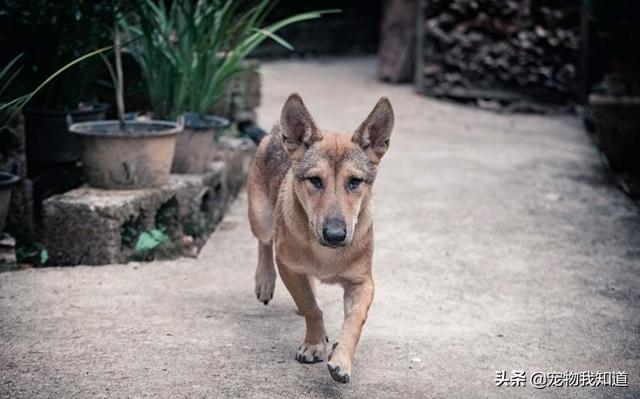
(310, 195)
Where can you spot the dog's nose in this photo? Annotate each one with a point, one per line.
(334, 231)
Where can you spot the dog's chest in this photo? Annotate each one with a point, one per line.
(323, 263)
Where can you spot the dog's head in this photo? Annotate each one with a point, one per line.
(334, 173)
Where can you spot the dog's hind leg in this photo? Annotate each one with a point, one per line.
(314, 347)
(261, 220)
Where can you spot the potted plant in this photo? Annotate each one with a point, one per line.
(126, 154)
(188, 51)
(10, 109)
(615, 105)
(63, 30)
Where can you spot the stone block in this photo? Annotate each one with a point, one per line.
(93, 226)
(202, 201)
(237, 154)
(21, 218)
(241, 96)
(8, 259)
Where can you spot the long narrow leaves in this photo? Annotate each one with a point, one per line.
(6, 81)
(188, 51)
(11, 107)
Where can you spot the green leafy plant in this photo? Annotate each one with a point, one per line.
(7, 76)
(188, 51)
(149, 240)
(44, 256)
(35, 254)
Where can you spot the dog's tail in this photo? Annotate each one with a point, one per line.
(252, 131)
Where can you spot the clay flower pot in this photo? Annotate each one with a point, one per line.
(7, 181)
(139, 157)
(195, 146)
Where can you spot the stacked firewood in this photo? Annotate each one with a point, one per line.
(522, 46)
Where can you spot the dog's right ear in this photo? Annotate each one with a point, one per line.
(297, 128)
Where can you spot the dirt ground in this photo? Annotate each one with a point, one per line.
(500, 245)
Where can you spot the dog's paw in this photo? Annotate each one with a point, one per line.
(265, 284)
(311, 353)
(339, 365)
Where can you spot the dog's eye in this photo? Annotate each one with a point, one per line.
(316, 181)
(354, 183)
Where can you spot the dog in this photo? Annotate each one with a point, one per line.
(310, 199)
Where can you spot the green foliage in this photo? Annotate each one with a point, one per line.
(144, 242)
(188, 51)
(8, 105)
(44, 256)
(35, 254)
(149, 240)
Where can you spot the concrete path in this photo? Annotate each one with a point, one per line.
(500, 245)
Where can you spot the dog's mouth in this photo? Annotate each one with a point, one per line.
(333, 245)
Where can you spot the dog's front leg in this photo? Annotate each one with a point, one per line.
(265, 273)
(314, 347)
(357, 300)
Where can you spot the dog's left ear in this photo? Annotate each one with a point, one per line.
(374, 133)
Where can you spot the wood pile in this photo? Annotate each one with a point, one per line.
(500, 49)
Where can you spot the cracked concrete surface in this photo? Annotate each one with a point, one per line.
(500, 245)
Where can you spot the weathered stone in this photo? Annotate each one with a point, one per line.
(241, 96)
(20, 220)
(202, 203)
(247, 90)
(237, 154)
(8, 259)
(93, 226)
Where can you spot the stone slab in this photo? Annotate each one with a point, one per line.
(87, 225)
(93, 226)
(237, 154)
(8, 259)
